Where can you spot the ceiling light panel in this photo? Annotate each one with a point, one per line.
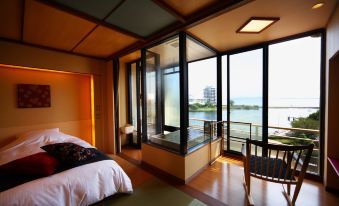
(318, 5)
(256, 25)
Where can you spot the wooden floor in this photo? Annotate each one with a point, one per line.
(221, 184)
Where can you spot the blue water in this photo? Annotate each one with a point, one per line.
(280, 117)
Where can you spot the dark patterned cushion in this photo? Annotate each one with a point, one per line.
(40, 165)
(69, 153)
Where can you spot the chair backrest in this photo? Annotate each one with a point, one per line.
(277, 163)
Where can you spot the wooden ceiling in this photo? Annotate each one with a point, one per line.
(115, 28)
(295, 17)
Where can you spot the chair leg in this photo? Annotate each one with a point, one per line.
(296, 192)
(247, 186)
(287, 194)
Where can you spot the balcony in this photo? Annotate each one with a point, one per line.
(240, 131)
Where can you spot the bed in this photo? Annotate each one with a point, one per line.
(83, 185)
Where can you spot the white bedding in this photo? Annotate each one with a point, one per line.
(82, 185)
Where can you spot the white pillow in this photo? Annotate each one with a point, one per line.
(27, 135)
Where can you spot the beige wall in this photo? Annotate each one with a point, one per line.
(70, 103)
(199, 159)
(27, 56)
(182, 167)
(166, 161)
(332, 99)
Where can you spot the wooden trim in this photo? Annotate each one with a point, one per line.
(92, 30)
(116, 104)
(90, 18)
(332, 190)
(216, 9)
(22, 20)
(129, 159)
(196, 18)
(275, 41)
(84, 37)
(50, 48)
(161, 173)
(332, 14)
(169, 9)
(273, 19)
(177, 183)
(114, 9)
(203, 197)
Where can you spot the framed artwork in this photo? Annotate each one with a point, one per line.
(33, 96)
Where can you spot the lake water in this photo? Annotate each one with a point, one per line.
(280, 117)
(280, 114)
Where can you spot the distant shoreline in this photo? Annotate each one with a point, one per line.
(244, 107)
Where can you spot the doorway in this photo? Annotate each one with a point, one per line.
(134, 103)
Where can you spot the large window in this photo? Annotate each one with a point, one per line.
(270, 93)
(246, 72)
(202, 90)
(294, 91)
(163, 94)
(202, 87)
(294, 94)
(171, 96)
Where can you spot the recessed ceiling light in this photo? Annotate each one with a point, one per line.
(256, 25)
(318, 5)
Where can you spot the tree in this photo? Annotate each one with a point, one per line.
(310, 122)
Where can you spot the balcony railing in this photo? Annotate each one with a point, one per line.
(240, 131)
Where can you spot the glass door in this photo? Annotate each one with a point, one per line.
(134, 102)
(245, 98)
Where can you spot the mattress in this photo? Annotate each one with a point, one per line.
(81, 185)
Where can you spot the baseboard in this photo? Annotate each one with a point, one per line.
(162, 174)
(196, 173)
(200, 170)
(332, 190)
(129, 159)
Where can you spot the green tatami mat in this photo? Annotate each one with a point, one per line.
(153, 193)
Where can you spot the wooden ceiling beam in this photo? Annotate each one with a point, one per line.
(162, 4)
(205, 14)
(90, 18)
(22, 20)
(92, 30)
(48, 48)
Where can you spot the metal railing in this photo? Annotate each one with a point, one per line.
(280, 135)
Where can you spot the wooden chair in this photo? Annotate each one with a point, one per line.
(275, 163)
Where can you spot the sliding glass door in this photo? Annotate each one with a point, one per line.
(246, 83)
(294, 94)
(287, 77)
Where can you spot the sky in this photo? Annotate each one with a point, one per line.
(294, 72)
